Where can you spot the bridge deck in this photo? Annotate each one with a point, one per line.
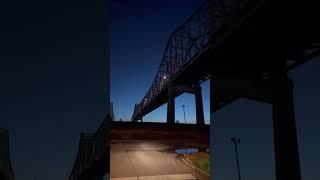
(270, 37)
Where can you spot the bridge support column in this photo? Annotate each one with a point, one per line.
(278, 91)
(199, 104)
(171, 105)
(285, 136)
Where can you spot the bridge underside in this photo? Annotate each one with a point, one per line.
(176, 136)
(273, 38)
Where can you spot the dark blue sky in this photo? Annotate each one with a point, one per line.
(139, 33)
(53, 78)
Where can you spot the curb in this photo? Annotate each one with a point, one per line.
(189, 164)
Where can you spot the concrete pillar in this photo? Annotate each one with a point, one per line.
(199, 104)
(171, 106)
(285, 136)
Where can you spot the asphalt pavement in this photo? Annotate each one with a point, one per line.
(147, 161)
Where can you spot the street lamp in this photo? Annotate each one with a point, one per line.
(236, 141)
(184, 114)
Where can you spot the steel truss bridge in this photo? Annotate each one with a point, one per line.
(184, 45)
(213, 42)
(245, 48)
(92, 161)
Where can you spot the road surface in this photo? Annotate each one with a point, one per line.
(148, 161)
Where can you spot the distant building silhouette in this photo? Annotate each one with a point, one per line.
(6, 170)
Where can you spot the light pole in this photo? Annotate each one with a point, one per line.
(184, 114)
(236, 141)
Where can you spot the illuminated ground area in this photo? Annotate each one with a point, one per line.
(148, 161)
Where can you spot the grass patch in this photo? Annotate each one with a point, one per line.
(201, 160)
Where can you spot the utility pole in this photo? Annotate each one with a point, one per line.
(184, 114)
(236, 141)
